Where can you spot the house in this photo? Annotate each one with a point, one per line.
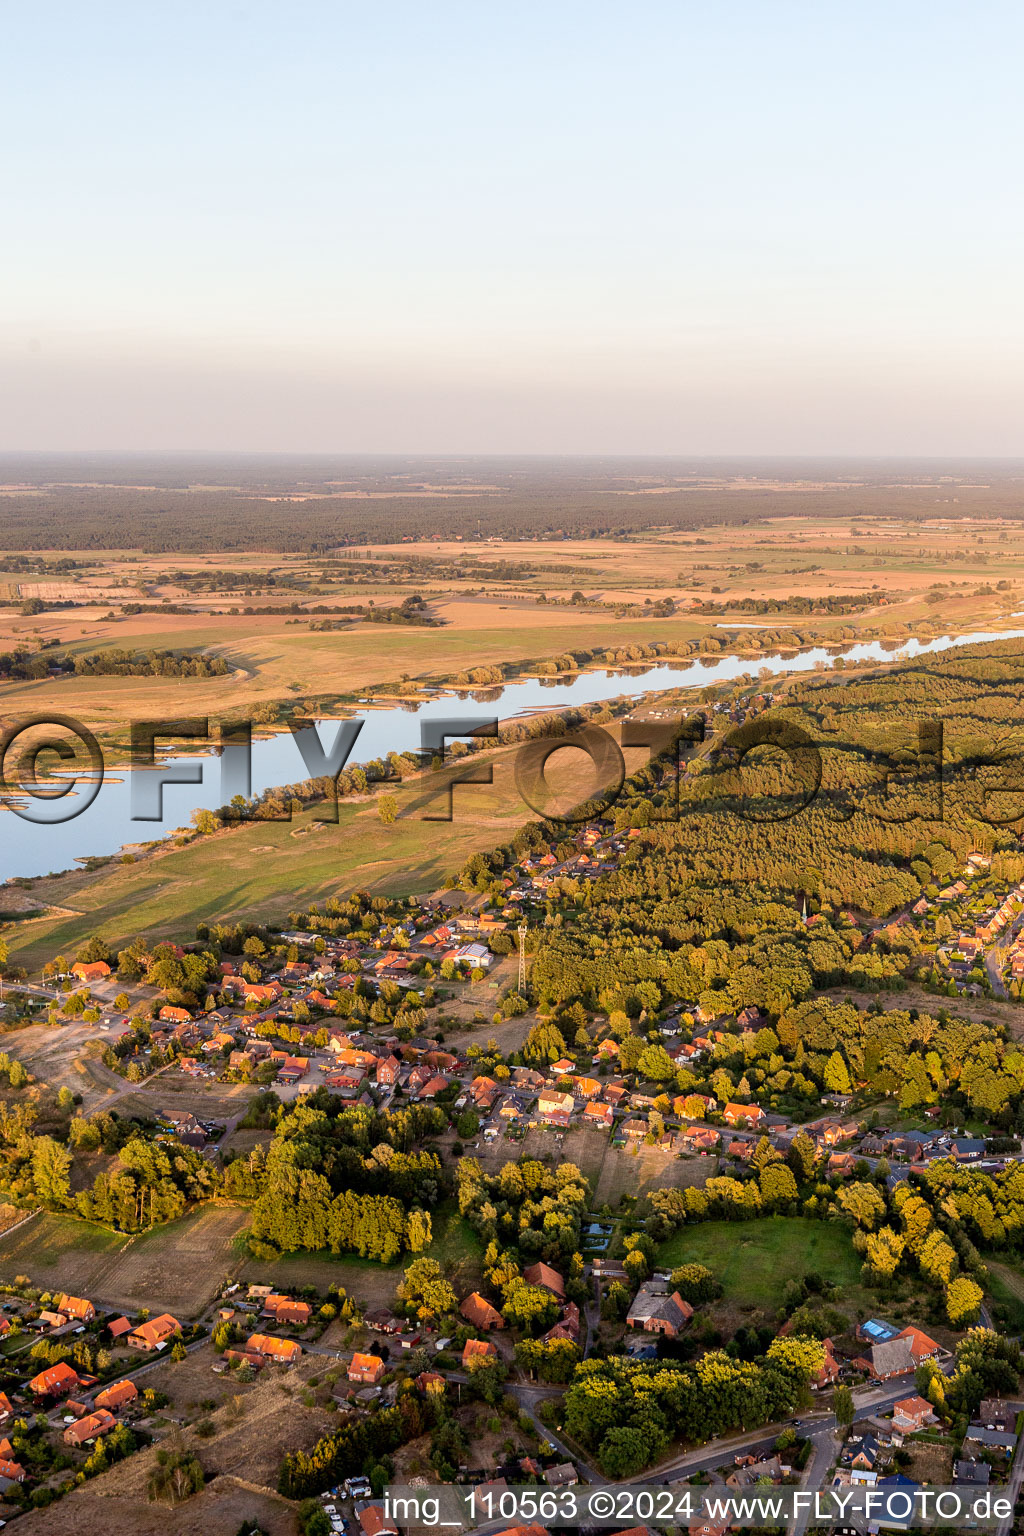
(155, 1334)
(526, 1077)
(366, 1369)
(6, 1407)
(182, 1122)
(634, 1130)
(656, 1309)
(75, 1306)
(431, 1381)
(994, 1439)
(562, 1476)
(119, 1327)
(387, 1071)
(875, 1331)
(100, 1423)
(864, 1454)
(600, 1115)
(702, 1137)
(383, 1321)
(92, 970)
(477, 956)
(554, 1105)
(911, 1414)
(12, 1471)
(753, 1471)
(742, 1114)
(972, 1474)
(921, 1346)
(286, 1310)
(546, 1277)
(567, 1327)
(55, 1381)
(374, 1522)
(117, 1396)
(829, 1371)
(994, 1413)
(586, 1088)
(893, 1358)
(174, 1015)
(283, 1351)
(477, 1350)
(480, 1313)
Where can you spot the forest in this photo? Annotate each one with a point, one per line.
(221, 503)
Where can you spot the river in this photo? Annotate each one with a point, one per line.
(35, 848)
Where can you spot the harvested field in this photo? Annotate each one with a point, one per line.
(178, 1267)
(636, 1171)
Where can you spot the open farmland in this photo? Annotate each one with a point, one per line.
(523, 600)
(176, 1268)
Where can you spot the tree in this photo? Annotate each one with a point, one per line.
(802, 1157)
(800, 1357)
(419, 1231)
(51, 1171)
(387, 809)
(544, 1043)
(175, 1476)
(864, 1203)
(695, 1283)
(631, 1050)
(623, 1452)
(426, 1290)
(777, 1185)
(842, 1405)
(837, 1076)
(963, 1301)
(655, 1063)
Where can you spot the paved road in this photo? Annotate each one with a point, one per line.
(1013, 1483)
(825, 1444)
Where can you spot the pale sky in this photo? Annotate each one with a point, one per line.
(744, 226)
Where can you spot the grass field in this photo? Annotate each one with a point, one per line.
(1006, 1288)
(754, 1259)
(268, 868)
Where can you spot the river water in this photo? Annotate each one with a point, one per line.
(33, 848)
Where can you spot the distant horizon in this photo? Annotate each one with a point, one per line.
(727, 231)
(499, 455)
